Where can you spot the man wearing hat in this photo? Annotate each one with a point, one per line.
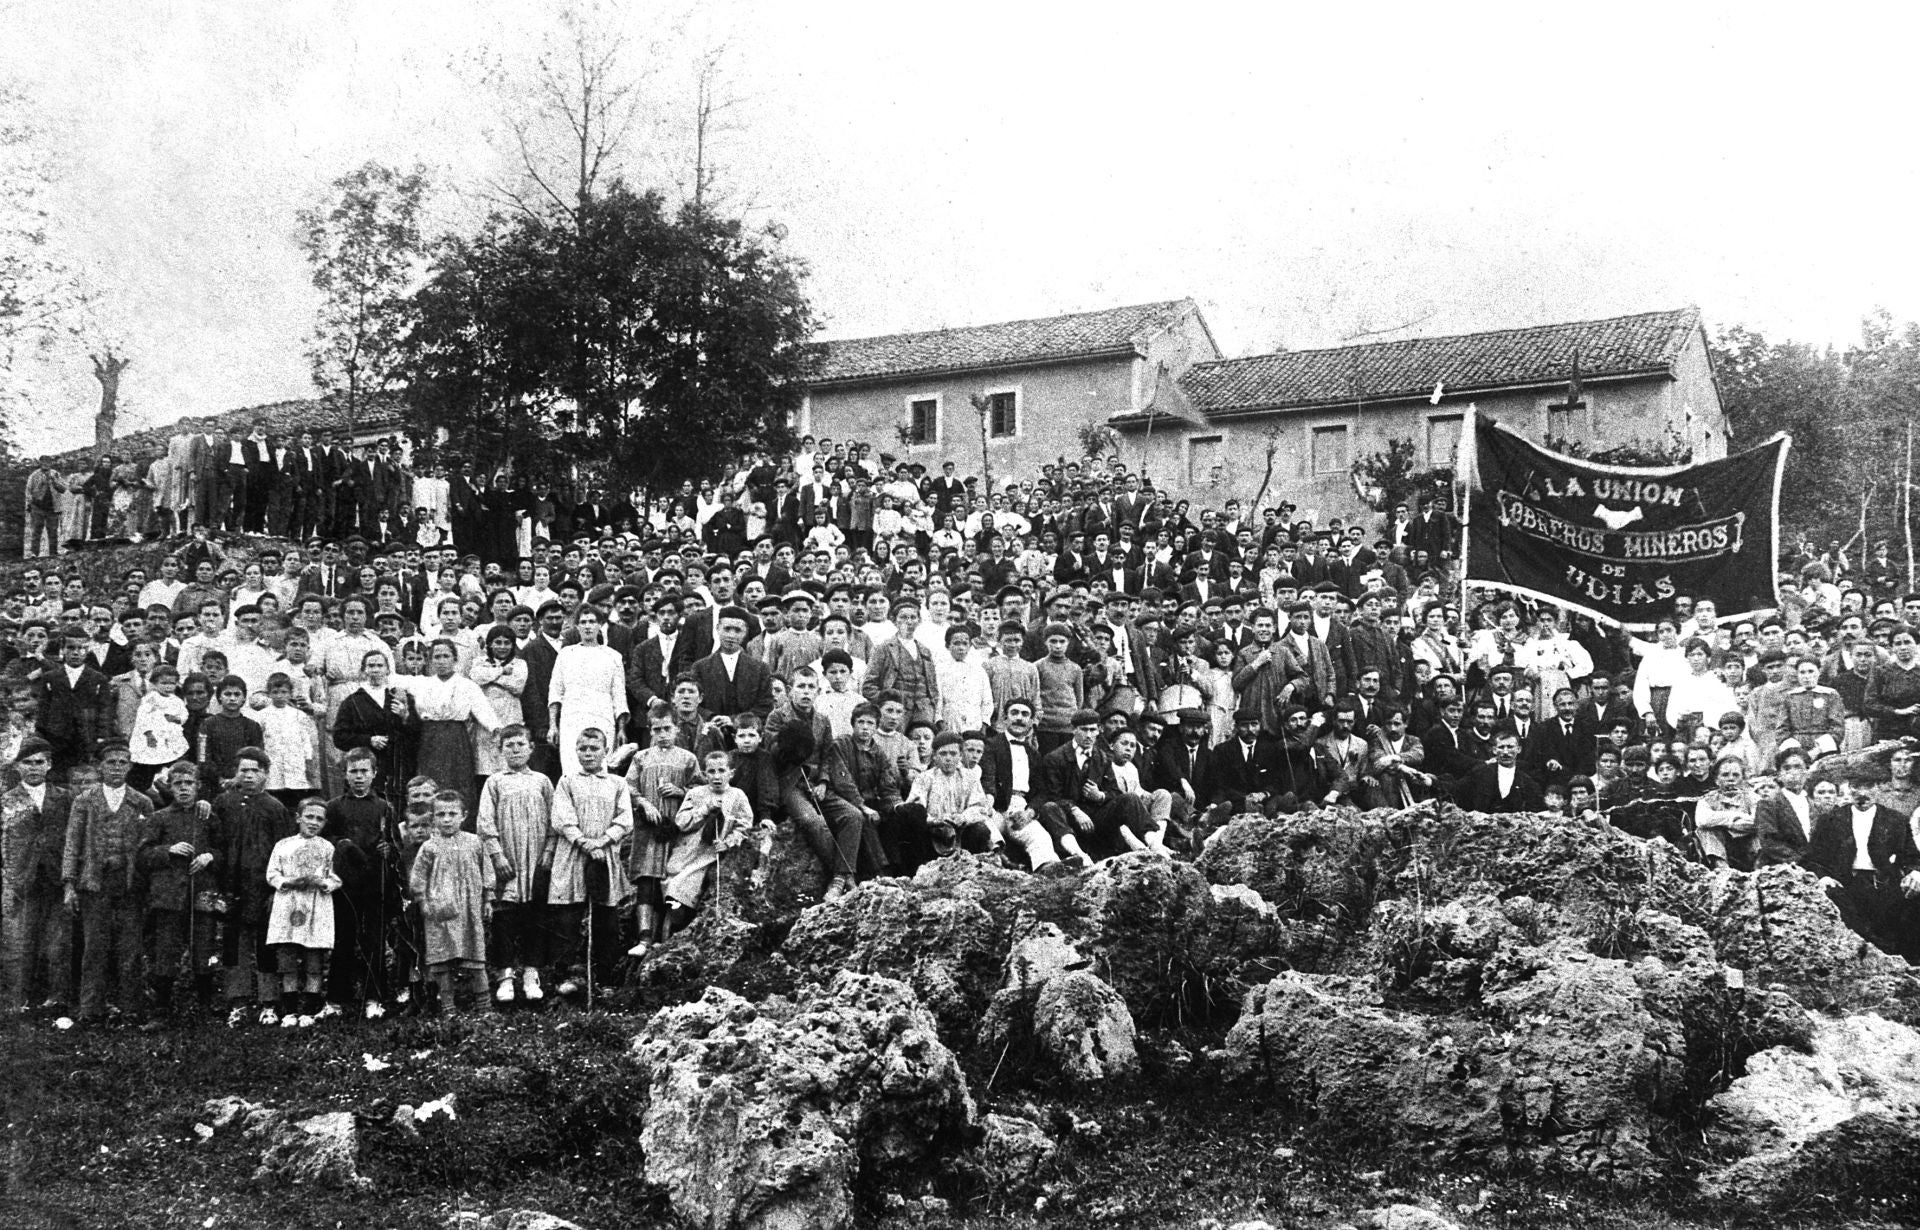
(1245, 771)
(1183, 766)
(1372, 644)
(1080, 803)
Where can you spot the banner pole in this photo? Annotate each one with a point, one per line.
(1463, 472)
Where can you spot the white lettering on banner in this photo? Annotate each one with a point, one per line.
(1681, 544)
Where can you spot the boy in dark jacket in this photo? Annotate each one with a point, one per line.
(178, 861)
(33, 839)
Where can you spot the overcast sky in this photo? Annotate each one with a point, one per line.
(1306, 173)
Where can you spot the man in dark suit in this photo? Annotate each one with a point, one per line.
(731, 682)
(1561, 752)
(655, 661)
(1433, 530)
(1011, 785)
(1245, 771)
(1783, 823)
(783, 515)
(1079, 802)
(75, 705)
(1445, 744)
(541, 651)
(1071, 564)
(1130, 506)
(1502, 786)
(944, 492)
(1861, 851)
(257, 450)
(1208, 561)
(328, 578)
(304, 471)
(1602, 709)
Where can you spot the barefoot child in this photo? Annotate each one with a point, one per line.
(658, 777)
(516, 828)
(454, 887)
(592, 814)
(300, 929)
(177, 857)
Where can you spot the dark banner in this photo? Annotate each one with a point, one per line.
(1619, 542)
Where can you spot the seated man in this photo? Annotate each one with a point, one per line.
(1078, 801)
(863, 790)
(1009, 768)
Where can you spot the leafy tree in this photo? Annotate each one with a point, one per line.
(364, 247)
(613, 337)
(1394, 476)
(1771, 387)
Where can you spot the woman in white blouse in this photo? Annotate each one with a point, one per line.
(589, 689)
(445, 704)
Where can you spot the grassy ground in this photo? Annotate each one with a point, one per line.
(101, 1132)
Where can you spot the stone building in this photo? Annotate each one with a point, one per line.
(1599, 383)
(1045, 383)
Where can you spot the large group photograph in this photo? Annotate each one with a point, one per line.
(742, 618)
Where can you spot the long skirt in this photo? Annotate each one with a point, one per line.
(446, 755)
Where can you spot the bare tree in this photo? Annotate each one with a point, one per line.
(107, 367)
(983, 410)
(575, 130)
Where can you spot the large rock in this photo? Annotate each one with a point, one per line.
(702, 953)
(946, 948)
(1083, 1027)
(322, 1151)
(1779, 925)
(1841, 1123)
(764, 1118)
(1041, 952)
(1567, 1063)
(1143, 925)
(1583, 1060)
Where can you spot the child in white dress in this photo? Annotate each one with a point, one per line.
(300, 926)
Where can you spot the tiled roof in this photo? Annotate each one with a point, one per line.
(1466, 363)
(377, 414)
(1008, 344)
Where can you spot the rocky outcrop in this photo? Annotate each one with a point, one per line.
(1082, 1026)
(1568, 1061)
(1838, 1122)
(321, 1150)
(946, 948)
(765, 1118)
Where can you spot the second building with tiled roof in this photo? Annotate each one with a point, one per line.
(1599, 383)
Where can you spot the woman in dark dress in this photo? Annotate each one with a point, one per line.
(380, 718)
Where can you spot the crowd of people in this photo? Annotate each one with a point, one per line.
(494, 747)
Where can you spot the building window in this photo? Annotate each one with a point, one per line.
(1203, 459)
(1003, 414)
(1330, 450)
(923, 420)
(1567, 421)
(1443, 439)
